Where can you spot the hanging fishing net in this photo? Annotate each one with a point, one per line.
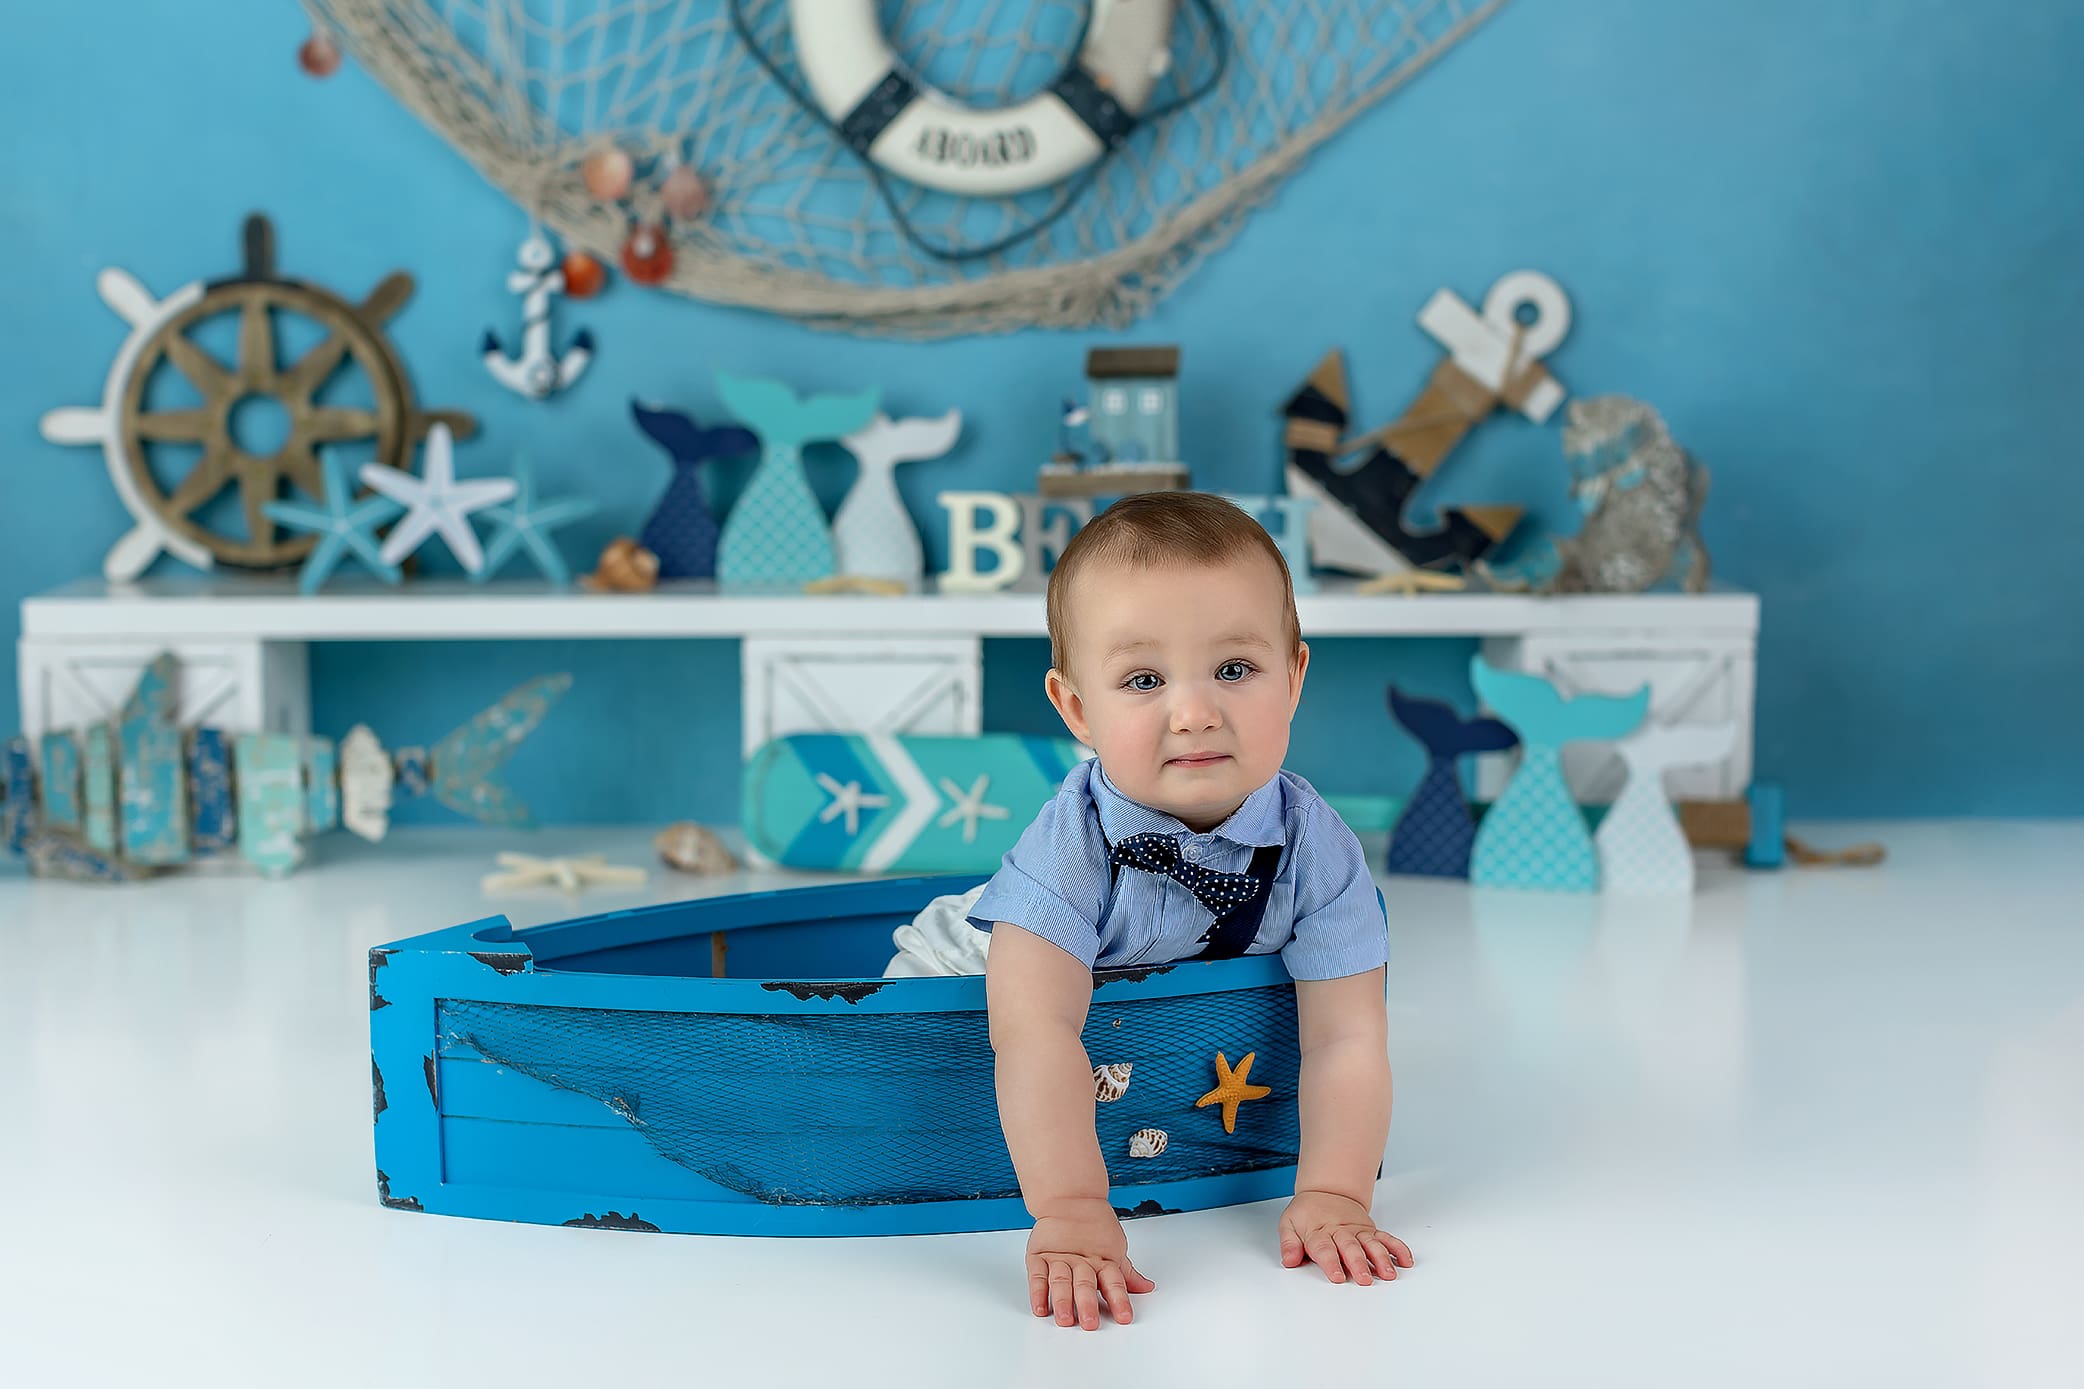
(799, 223)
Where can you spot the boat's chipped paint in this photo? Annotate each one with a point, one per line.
(506, 962)
(378, 958)
(852, 991)
(613, 1220)
(376, 1078)
(1147, 1206)
(1102, 978)
(396, 1203)
(433, 1081)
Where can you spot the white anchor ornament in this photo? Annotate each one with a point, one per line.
(537, 373)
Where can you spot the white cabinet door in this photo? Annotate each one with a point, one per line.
(861, 684)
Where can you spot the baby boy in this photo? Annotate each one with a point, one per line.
(1178, 659)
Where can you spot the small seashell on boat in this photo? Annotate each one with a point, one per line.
(1145, 1143)
(1110, 1083)
(694, 848)
(625, 567)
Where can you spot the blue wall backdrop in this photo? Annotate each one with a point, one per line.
(1841, 246)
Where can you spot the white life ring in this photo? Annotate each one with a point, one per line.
(928, 137)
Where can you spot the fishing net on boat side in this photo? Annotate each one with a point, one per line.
(882, 1108)
(799, 224)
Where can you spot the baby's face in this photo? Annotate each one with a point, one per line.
(1182, 681)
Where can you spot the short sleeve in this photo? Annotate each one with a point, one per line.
(1054, 881)
(1340, 928)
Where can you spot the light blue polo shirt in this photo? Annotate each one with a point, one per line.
(1322, 912)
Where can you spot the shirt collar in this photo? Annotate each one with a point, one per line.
(1258, 822)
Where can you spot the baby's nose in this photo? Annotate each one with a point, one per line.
(1195, 710)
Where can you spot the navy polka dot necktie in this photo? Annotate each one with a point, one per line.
(1159, 853)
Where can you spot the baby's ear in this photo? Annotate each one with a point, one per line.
(1068, 705)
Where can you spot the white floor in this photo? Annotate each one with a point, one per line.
(1816, 1128)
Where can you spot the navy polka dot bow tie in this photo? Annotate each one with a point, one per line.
(1159, 853)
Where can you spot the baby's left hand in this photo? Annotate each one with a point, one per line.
(1339, 1234)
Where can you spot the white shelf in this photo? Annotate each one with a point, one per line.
(270, 609)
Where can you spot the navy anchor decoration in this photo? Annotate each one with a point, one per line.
(1494, 360)
(1435, 834)
(1376, 492)
(683, 529)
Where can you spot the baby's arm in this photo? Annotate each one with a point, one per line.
(1038, 995)
(1344, 1100)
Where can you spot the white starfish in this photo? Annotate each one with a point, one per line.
(437, 502)
(571, 874)
(847, 800)
(969, 807)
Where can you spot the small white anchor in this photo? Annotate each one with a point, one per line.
(536, 373)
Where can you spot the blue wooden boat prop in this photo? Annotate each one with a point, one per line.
(737, 1065)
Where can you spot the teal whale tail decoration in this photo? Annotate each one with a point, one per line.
(463, 768)
(777, 537)
(1544, 718)
(782, 419)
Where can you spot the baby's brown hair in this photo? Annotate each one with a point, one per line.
(1153, 528)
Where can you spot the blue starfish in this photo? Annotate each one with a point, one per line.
(525, 522)
(344, 524)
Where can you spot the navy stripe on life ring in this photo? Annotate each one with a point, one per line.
(872, 115)
(1102, 114)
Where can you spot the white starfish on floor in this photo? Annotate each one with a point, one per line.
(571, 874)
(969, 807)
(847, 800)
(437, 502)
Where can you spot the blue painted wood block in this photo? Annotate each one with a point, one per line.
(18, 812)
(592, 1073)
(269, 770)
(152, 781)
(321, 787)
(101, 788)
(210, 791)
(920, 804)
(61, 781)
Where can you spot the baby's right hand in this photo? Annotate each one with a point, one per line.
(1077, 1255)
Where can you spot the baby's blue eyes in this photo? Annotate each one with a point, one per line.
(1230, 672)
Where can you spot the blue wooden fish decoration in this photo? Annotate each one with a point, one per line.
(121, 800)
(682, 530)
(1435, 834)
